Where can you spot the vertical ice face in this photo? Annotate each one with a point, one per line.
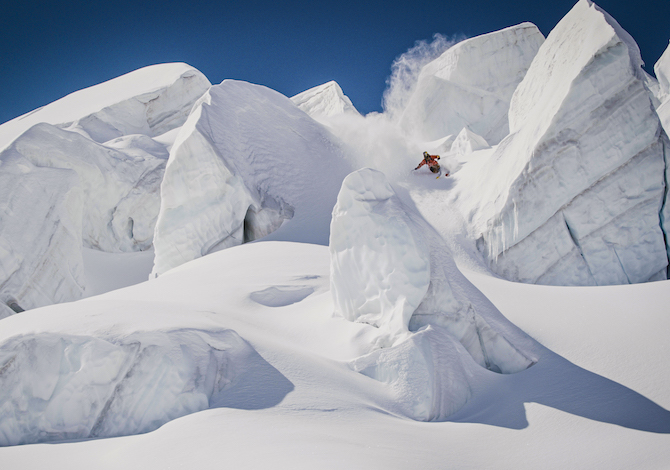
(471, 84)
(390, 269)
(573, 194)
(246, 160)
(324, 101)
(40, 240)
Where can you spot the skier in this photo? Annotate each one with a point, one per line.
(431, 161)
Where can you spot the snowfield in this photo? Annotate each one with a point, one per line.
(224, 276)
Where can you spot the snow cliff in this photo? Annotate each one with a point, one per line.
(390, 269)
(246, 161)
(573, 194)
(471, 84)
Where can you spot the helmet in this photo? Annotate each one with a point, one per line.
(425, 154)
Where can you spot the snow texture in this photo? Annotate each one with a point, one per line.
(467, 142)
(324, 101)
(40, 255)
(60, 386)
(246, 161)
(391, 270)
(573, 194)
(471, 84)
(662, 71)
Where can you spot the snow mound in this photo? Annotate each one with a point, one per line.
(40, 236)
(246, 161)
(59, 386)
(572, 196)
(149, 101)
(324, 101)
(120, 182)
(471, 84)
(390, 269)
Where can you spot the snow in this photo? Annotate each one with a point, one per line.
(573, 194)
(324, 101)
(395, 346)
(471, 84)
(246, 163)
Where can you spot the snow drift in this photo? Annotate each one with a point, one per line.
(471, 84)
(573, 194)
(246, 160)
(390, 269)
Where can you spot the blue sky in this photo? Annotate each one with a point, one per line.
(51, 48)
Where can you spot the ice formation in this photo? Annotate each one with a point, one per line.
(390, 269)
(246, 160)
(573, 194)
(60, 386)
(471, 84)
(467, 142)
(40, 254)
(324, 101)
(120, 182)
(662, 71)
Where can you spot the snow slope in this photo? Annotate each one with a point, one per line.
(246, 163)
(573, 195)
(597, 397)
(471, 84)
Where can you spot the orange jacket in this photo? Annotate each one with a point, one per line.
(431, 161)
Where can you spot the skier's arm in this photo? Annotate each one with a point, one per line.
(423, 162)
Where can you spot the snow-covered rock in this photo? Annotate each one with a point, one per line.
(120, 182)
(324, 101)
(60, 386)
(662, 71)
(40, 236)
(471, 84)
(246, 160)
(390, 269)
(149, 101)
(573, 195)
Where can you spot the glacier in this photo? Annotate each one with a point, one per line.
(390, 269)
(471, 85)
(246, 163)
(573, 195)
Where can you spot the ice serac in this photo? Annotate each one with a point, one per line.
(58, 386)
(662, 71)
(471, 84)
(390, 269)
(40, 237)
(573, 195)
(148, 101)
(324, 101)
(246, 160)
(120, 182)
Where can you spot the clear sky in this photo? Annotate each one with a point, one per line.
(51, 48)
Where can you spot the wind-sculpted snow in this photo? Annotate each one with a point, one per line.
(662, 71)
(573, 194)
(390, 269)
(60, 386)
(120, 182)
(40, 236)
(149, 101)
(324, 101)
(471, 84)
(246, 161)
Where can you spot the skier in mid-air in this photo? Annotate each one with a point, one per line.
(431, 161)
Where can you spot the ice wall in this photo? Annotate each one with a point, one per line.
(40, 236)
(471, 84)
(246, 161)
(390, 269)
(572, 196)
(120, 182)
(324, 101)
(58, 386)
